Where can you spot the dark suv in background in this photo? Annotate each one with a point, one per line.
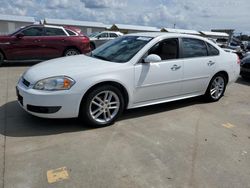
(42, 42)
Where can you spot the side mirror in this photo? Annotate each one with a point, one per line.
(152, 58)
(20, 35)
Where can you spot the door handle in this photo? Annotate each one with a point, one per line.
(175, 67)
(210, 63)
(38, 40)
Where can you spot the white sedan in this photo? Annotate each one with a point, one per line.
(131, 71)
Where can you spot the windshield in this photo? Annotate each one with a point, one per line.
(93, 34)
(121, 49)
(16, 31)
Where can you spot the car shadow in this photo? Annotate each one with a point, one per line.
(243, 81)
(15, 122)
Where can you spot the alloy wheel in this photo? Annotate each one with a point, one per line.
(104, 106)
(71, 52)
(217, 87)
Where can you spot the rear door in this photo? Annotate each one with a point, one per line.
(54, 42)
(29, 46)
(198, 66)
(112, 36)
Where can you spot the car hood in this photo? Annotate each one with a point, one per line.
(73, 66)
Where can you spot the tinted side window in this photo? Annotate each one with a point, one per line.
(212, 51)
(193, 48)
(103, 35)
(33, 31)
(71, 33)
(167, 49)
(54, 32)
(113, 35)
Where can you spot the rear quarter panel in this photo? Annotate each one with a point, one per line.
(228, 63)
(80, 42)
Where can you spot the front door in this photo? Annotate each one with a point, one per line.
(159, 80)
(29, 46)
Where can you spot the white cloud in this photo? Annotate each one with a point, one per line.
(192, 14)
(55, 4)
(104, 3)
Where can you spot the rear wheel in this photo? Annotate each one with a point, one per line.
(92, 46)
(102, 106)
(216, 88)
(1, 58)
(71, 51)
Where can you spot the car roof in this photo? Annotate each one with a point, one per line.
(158, 34)
(75, 29)
(111, 32)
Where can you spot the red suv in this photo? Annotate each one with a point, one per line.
(42, 42)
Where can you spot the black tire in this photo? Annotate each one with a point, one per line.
(92, 46)
(87, 106)
(1, 58)
(209, 96)
(71, 52)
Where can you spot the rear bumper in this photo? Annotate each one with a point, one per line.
(85, 48)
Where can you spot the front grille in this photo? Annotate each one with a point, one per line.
(26, 83)
(43, 109)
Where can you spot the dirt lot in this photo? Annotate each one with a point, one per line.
(187, 143)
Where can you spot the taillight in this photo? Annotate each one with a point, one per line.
(85, 39)
(238, 60)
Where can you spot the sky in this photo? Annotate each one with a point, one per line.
(184, 14)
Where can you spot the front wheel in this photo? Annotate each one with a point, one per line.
(216, 88)
(102, 106)
(70, 52)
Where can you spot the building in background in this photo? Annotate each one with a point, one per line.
(181, 31)
(230, 32)
(132, 28)
(221, 38)
(10, 23)
(85, 26)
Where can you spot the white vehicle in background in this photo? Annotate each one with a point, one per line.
(97, 39)
(131, 71)
(229, 50)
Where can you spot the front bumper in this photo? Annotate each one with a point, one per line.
(49, 104)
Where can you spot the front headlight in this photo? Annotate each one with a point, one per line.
(55, 83)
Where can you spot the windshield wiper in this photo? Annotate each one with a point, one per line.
(100, 57)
